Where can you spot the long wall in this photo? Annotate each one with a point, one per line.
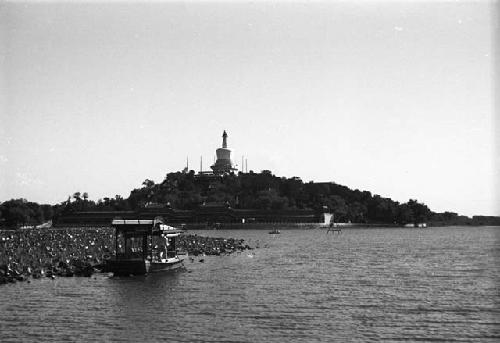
(199, 216)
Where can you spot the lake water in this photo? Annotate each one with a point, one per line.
(439, 284)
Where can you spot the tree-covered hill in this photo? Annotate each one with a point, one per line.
(269, 192)
(260, 191)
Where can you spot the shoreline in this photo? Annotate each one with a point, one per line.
(252, 226)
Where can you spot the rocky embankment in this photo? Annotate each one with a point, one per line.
(37, 253)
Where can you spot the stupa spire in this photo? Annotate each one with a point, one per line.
(224, 139)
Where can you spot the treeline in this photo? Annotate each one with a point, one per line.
(16, 213)
(264, 191)
(20, 212)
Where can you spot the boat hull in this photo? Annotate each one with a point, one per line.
(156, 267)
(141, 267)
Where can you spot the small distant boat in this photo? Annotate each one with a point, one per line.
(274, 232)
(144, 246)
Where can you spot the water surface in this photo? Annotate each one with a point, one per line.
(386, 284)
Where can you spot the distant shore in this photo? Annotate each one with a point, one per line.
(289, 225)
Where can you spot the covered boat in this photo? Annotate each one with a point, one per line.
(144, 246)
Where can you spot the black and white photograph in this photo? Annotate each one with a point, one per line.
(249, 171)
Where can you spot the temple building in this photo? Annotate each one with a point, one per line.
(223, 164)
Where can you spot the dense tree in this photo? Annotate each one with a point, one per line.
(338, 207)
(77, 196)
(357, 212)
(17, 212)
(421, 212)
(405, 215)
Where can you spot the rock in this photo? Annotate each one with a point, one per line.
(70, 252)
(21, 278)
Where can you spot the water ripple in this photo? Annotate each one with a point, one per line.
(431, 285)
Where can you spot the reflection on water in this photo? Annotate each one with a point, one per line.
(363, 285)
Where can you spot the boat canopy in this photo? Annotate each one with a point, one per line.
(150, 226)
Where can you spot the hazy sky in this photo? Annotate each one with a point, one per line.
(392, 97)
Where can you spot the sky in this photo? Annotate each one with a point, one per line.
(394, 97)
